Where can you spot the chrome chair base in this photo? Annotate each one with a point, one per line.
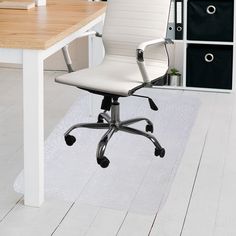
(113, 124)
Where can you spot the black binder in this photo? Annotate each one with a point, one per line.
(179, 18)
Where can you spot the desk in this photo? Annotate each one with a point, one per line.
(27, 38)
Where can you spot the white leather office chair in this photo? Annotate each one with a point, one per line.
(135, 57)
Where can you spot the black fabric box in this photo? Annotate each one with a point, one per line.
(210, 20)
(209, 66)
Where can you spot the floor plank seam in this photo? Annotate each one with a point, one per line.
(127, 212)
(5, 216)
(92, 221)
(63, 218)
(194, 182)
(156, 214)
(154, 220)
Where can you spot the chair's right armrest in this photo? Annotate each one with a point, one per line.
(140, 55)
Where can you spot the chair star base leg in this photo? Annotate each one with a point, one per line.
(113, 124)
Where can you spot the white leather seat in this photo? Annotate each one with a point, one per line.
(127, 24)
(116, 75)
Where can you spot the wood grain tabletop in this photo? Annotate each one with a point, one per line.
(41, 27)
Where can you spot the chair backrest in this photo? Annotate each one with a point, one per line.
(131, 22)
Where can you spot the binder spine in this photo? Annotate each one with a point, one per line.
(171, 23)
(179, 18)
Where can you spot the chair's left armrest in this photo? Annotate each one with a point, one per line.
(140, 55)
(99, 35)
(65, 50)
(91, 33)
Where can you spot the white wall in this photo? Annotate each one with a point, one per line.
(79, 54)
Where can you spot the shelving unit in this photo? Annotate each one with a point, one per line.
(180, 54)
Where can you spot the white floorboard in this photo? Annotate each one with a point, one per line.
(10, 166)
(170, 219)
(201, 200)
(78, 220)
(203, 207)
(226, 214)
(10, 138)
(28, 221)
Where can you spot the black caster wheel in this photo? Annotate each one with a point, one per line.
(100, 119)
(160, 152)
(70, 140)
(103, 162)
(149, 128)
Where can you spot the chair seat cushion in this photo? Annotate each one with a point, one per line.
(116, 75)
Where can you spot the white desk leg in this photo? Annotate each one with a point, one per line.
(33, 128)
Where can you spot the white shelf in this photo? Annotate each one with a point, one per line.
(209, 42)
(178, 40)
(181, 55)
(194, 89)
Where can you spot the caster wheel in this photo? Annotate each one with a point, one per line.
(149, 128)
(100, 119)
(103, 162)
(70, 140)
(160, 152)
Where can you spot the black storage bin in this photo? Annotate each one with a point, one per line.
(209, 66)
(210, 20)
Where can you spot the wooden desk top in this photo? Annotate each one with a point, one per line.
(41, 27)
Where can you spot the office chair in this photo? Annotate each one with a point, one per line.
(135, 57)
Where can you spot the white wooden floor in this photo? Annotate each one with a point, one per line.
(202, 200)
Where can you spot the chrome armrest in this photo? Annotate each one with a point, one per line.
(91, 33)
(66, 53)
(140, 55)
(67, 58)
(98, 35)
